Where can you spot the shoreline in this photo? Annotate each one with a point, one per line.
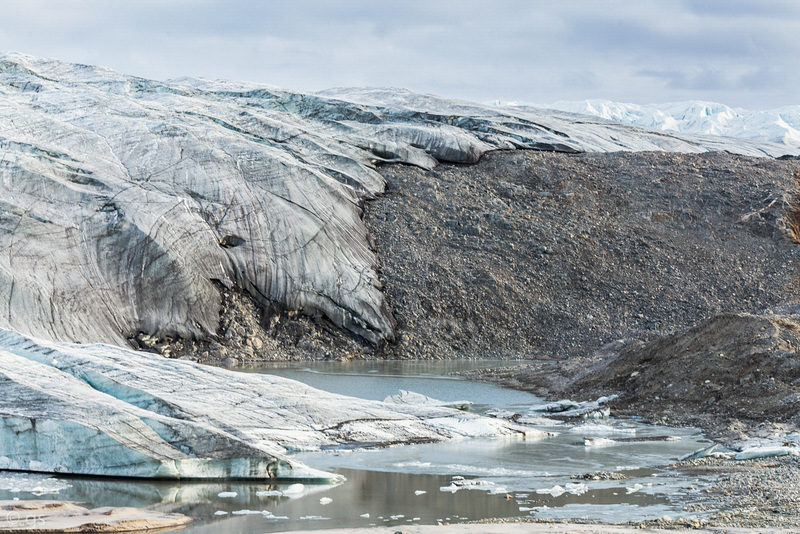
(528, 527)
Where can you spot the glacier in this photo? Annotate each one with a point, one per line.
(104, 410)
(780, 125)
(123, 200)
(126, 202)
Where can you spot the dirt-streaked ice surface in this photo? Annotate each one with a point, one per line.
(122, 199)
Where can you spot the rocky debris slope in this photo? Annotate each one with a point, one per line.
(733, 366)
(543, 255)
(122, 199)
(735, 375)
(104, 410)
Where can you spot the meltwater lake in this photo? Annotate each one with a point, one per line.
(427, 483)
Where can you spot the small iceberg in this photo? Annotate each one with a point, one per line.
(766, 452)
(417, 399)
(598, 442)
(601, 429)
(460, 483)
(699, 453)
(634, 489)
(555, 491)
(588, 410)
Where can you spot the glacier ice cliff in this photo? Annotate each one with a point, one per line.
(122, 199)
(105, 410)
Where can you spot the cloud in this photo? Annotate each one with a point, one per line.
(533, 50)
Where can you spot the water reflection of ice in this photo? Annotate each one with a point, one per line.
(27, 483)
(483, 478)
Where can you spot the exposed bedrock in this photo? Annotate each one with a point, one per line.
(123, 200)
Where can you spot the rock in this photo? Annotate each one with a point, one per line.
(62, 516)
(230, 362)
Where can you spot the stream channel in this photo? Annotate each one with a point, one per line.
(414, 484)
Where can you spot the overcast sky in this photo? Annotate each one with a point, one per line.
(744, 53)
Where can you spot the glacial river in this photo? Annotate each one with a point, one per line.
(424, 484)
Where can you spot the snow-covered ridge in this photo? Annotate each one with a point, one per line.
(780, 125)
(122, 199)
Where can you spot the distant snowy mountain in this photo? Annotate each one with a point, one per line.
(780, 125)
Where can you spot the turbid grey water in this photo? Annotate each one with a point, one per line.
(426, 483)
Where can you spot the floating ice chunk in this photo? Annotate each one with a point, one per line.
(500, 413)
(227, 494)
(555, 491)
(568, 408)
(420, 492)
(414, 463)
(365, 516)
(602, 413)
(220, 512)
(536, 419)
(325, 500)
(577, 488)
(634, 489)
(766, 452)
(314, 518)
(699, 453)
(596, 428)
(460, 483)
(556, 407)
(249, 512)
(598, 442)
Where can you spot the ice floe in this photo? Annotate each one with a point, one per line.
(128, 413)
